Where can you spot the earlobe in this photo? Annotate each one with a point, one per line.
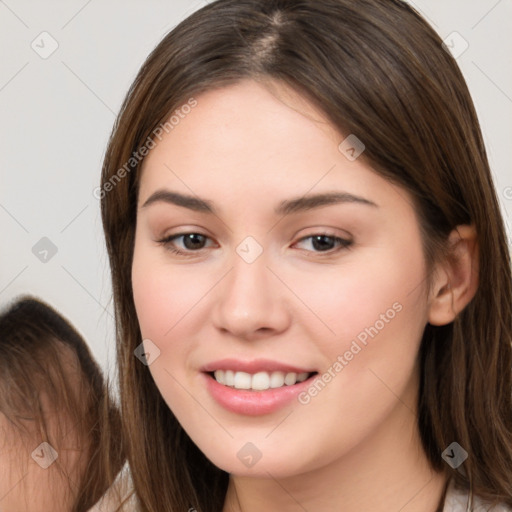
(456, 280)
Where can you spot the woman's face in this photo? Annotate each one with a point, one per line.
(272, 284)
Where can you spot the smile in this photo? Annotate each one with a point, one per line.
(259, 381)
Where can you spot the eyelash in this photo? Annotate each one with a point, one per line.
(167, 243)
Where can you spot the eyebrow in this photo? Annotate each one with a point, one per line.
(285, 207)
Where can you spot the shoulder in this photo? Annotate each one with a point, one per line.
(122, 489)
(458, 500)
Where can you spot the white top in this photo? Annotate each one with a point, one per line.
(120, 489)
(456, 500)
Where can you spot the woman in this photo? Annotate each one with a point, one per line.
(309, 266)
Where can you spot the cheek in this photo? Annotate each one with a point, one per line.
(374, 295)
(161, 293)
(168, 301)
(377, 309)
(160, 302)
(153, 302)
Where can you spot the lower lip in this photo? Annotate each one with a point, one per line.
(254, 403)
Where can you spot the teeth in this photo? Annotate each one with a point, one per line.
(290, 379)
(242, 380)
(229, 377)
(259, 381)
(277, 379)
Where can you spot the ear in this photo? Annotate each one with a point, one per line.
(456, 278)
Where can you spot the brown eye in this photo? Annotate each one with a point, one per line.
(323, 242)
(191, 242)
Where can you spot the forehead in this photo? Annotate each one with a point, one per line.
(254, 141)
(244, 125)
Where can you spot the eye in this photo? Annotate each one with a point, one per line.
(324, 242)
(193, 242)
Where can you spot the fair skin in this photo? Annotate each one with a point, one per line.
(355, 445)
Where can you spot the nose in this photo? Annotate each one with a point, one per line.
(250, 301)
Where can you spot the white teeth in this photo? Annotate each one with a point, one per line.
(259, 381)
(229, 378)
(277, 379)
(290, 379)
(242, 380)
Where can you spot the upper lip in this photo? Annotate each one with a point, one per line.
(253, 366)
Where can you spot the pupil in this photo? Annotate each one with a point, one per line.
(321, 246)
(190, 238)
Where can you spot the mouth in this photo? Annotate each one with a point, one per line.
(255, 387)
(258, 393)
(259, 381)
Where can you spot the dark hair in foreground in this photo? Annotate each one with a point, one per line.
(377, 70)
(52, 390)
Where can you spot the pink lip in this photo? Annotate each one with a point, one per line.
(253, 403)
(254, 366)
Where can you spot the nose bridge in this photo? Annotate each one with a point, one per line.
(250, 298)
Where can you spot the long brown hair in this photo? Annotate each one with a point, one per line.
(52, 390)
(379, 71)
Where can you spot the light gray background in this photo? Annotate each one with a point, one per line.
(56, 115)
